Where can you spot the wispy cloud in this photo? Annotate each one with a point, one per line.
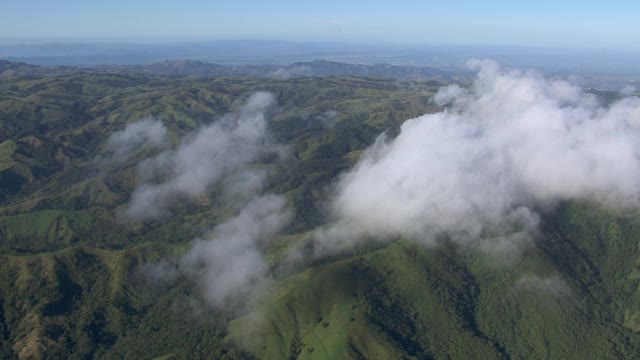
(214, 153)
(121, 145)
(289, 72)
(228, 264)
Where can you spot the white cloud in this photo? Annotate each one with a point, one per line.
(510, 144)
(228, 263)
(216, 151)
(123, 144)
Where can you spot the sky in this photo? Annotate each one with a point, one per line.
(584, 24)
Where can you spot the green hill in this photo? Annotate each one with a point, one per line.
(561, 299)
(71, 283)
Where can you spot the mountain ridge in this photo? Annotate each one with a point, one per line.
(191, 67)
(78, 281)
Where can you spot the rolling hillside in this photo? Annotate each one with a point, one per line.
(72, 272)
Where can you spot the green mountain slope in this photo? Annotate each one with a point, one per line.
(71, 283)
(564, 298)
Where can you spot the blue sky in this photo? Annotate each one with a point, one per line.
(597, 24)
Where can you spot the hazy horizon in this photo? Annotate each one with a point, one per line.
(572, 24)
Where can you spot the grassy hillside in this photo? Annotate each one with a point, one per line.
(83, 302)
(53, 129)
(565, 298)
(69, 283)
(70, 269)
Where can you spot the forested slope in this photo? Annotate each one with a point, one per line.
(72, 283)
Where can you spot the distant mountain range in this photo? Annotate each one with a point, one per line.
(603, 69)
(9, 69)
(186, 67)
(221, 51)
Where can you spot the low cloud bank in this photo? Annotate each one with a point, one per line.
(228, 264)
(287, 73)
(510, 144)
(121, 145)
(216, 152)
